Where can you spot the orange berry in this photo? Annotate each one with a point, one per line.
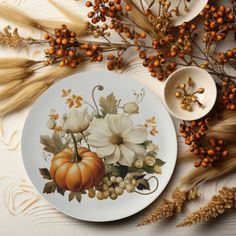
(89, 53)
(64, 41)
(51, 51)
(59, 53)
(230, 53)
(46, 36)
(90, 14)
(71, 53)
(119, 7)
(212, 24)
(88, 4)
(128, 8)
(220, 20)
(72, 34)
(62, 63)
(143, 35)
(73, 64)
(193, 26)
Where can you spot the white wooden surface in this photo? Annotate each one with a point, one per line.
(23, 212)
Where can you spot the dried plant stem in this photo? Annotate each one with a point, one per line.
(219, 204)
(9, 62)
(28, 91)
(24, 97)
(10, 74)
(169, 207)
(140, 19)
(81, 24)
(10, 89)
(14, 15)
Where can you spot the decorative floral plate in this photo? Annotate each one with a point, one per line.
(99, 146)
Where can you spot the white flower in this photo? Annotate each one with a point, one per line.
(151, 147)
(131, 108)
(116, 138)
(77, 121)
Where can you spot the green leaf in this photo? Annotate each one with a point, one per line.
(152, 154)
(78, 196)
(108, 104)
(146, 143)
(59, 145)
(61, 190)
(48, 143)
(50, 187)
(71, 196)
(116, 170)
(148, 169)
(143, 184)
(159, 162)
(45, 173)
(141, 176)
(53, 144)
(99, 188)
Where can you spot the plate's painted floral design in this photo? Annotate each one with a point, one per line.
(97, 149)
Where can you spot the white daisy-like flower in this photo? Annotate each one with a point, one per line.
(117, 139)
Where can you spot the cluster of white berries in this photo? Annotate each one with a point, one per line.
(114, 186)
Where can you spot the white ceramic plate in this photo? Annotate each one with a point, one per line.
(131, 97)
(194, 8)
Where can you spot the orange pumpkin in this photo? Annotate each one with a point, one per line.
(77, 169)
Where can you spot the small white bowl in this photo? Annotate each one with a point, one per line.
(201, 79)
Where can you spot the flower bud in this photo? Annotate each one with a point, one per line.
(138, 164)
(51, 124)
(157, 169)
(149, 161)
(131, 108)
(77, 121)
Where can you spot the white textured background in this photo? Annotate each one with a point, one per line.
(23, 212)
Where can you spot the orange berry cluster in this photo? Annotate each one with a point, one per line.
(67, 50)
(219, 21)
(224, 57)
(157, 65)
(105, 8)
(183, 45)
(209, 154)
(229, 95)
(167, 47)
(126, 30)
(114, 62)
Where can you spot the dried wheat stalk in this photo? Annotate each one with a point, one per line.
(219, 204)
(11, 74)
(169, 207)
(16, 16)
(80, 24)
(140, 19)
(12, 62)
(28, 91)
